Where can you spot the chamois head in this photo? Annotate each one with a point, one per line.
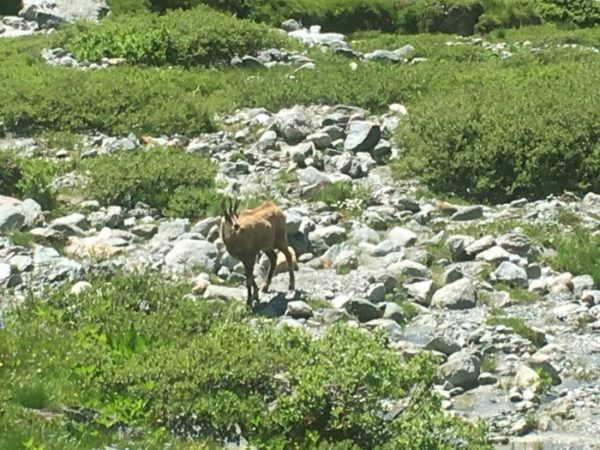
(230, 214)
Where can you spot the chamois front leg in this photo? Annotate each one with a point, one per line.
(272, 265)
(249, 268)
(250, 281)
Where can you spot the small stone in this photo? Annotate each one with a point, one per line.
(468, 213)
(408, 268)
(486, 378)
(480, 245)
(493, 255)
(402, 237)
(320, 140)
(299, 310)
(457, 295)
(461, 369)
(394, 312)
(457, 245)
(443, 345)
(363, 309)
(511, 273)
(79, 287)
(521, 427)
(361, 136)
(527, 378)
(376, 293)
(451, 274)
(421, 291)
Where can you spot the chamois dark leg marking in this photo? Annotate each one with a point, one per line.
(272, 265)
(249, 267)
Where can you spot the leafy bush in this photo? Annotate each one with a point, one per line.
(10, 174)
(200, 36)
(506, 132)
(175, 182)
(38, 98)
(519, 13)
(333, 15)
(26, 177)
(120, 7)
(141, 355)
(10, 7)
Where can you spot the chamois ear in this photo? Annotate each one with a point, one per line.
(230, 209)
(224, 211)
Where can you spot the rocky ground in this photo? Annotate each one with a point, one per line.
(517, 340)
(431, 274)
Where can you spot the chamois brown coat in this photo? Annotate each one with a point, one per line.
(249, 232)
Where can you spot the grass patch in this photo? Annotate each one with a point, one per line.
(139, 354)
(32, 396)
(409, 310)
(518, 326)
(578, 252)
(350, 200)
(488, 363)
(519, 294)
(22, 238)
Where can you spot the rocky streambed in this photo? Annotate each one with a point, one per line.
(518, 341)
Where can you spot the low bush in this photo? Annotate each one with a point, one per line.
(406, 16)
(519, 13)
(26, 177)
(134, 352)
(199, 37)
(332, 15)
(177, 183)
(38, 98)
(10, 7)
(120, 7)
(513, 130)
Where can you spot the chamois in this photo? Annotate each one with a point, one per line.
(248, 232)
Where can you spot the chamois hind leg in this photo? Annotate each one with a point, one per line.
(272, 265)
(290, 261)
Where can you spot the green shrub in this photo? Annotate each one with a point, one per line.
(333, 15)
(200, 36)
(135, 350)
(10, 7)
(161, 178)
(10, 174)
(38, 98)
(445, 16)
(506, 131)
(28, 177)
(583, 13)
(120, 7)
